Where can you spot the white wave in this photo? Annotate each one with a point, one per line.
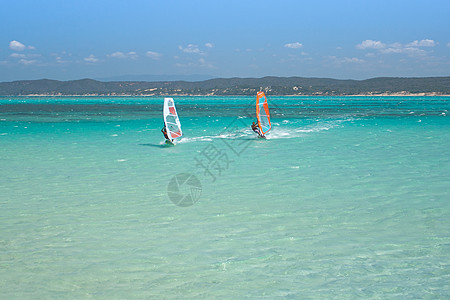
(278, 132)
(194, 139)
(281, 132)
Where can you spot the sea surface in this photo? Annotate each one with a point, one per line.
(348, 197)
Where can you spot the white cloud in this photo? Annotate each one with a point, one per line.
(25, 57)
(91, 59)
(153, 55)
(295, 45)
(370, 44)
(404, 50)
(397, 48)
(132, 55)
(393, 49)
(27, 61)
(353, 60)
(422, 43)
(191, 48)
(118, 54)
(18, 46)
(18, 55)
(346, 60)
(411, 49)
(209, 45)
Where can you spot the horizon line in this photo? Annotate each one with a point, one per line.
(218, 78)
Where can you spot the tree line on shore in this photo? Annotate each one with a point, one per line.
(231, 86)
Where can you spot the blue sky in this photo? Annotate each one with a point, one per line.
(348, 39)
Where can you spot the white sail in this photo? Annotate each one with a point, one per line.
(173, 126)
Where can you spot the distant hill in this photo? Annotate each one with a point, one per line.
(152, 78)
(231, 86)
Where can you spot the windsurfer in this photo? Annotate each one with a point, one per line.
(255, 128)
(164, 131)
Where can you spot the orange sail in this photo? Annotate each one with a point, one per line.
(262, 113)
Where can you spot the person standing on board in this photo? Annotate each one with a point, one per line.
(164, 131)
(255, 128)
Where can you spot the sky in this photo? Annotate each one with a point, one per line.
(343, 39)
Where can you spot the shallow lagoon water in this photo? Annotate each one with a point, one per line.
(347, 198)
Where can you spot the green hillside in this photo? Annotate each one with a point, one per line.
(231, 86)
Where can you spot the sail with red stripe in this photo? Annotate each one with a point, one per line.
(173, 126)
(262, 113)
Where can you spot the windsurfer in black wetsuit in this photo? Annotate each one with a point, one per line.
(164, 131)
(255, 128)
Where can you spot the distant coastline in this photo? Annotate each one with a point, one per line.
(190, 95)
(274, 86)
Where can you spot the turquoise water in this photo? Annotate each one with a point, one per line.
(349, 197)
